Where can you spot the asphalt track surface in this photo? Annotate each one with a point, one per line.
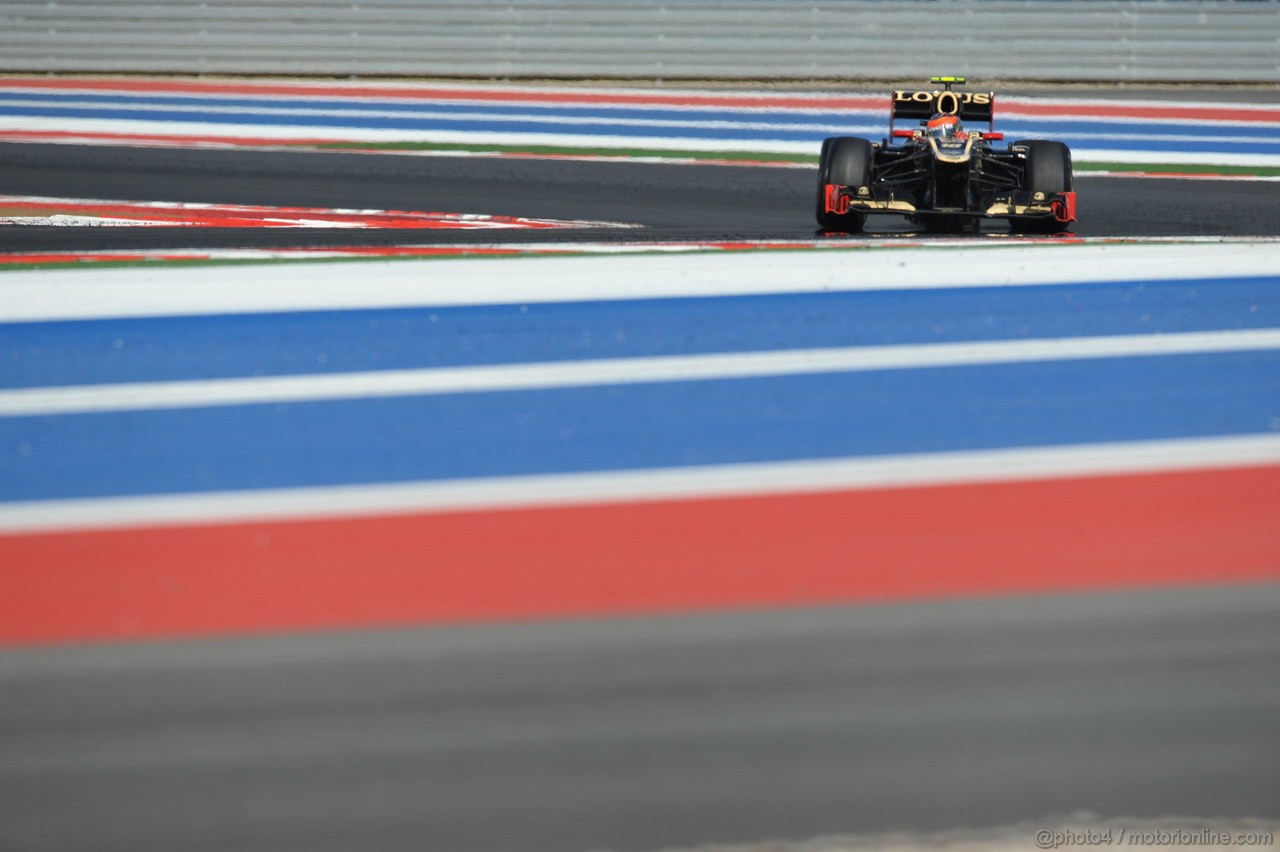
(673, 202)
(640, 734)
(647, 732)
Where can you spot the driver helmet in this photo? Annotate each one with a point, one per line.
(943, 127)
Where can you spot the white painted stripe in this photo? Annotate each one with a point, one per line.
(1191, 158)
(67, 221)
(774, 478)
(550, 249)
(84, 399)
(63, 294)
(339, 217)
(1158, 175)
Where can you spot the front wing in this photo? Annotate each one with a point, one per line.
(841, 200)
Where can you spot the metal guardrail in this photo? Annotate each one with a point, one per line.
(1088, 40)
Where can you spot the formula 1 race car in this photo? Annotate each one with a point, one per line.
(943, 177)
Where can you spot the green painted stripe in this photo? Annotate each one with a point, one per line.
(1180, 169)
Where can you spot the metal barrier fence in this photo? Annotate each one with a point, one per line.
(1088, 40)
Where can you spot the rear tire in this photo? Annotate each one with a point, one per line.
(845, 160)
(1048, 170)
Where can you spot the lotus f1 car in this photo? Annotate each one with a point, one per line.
(944, 177)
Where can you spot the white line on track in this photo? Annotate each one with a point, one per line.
(743, 480)
(66, 294)
(82, 399)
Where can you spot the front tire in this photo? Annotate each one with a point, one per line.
(846, 161)
(1048, 170)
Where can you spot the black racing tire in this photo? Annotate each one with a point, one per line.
(1048, 170)
(845, 160)
(1048, 167)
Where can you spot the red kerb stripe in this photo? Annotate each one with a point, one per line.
(858, 546)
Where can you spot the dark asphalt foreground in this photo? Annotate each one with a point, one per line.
(672, 202)
(645, 733)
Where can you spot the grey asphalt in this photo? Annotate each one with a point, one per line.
(644, 733)
(671, 202)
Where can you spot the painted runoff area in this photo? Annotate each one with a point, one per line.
(203, 451)
(549, 121)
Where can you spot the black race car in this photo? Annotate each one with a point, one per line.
(942, 176)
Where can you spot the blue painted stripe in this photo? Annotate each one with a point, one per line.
(1149, 140)
(198, 347)
(639, 426)
(497, 125)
